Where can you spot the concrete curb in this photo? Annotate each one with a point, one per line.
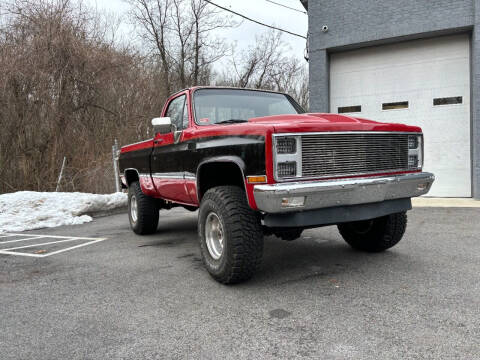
(445, 202)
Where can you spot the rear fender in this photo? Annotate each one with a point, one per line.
(146, 184)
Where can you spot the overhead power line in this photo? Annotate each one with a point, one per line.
(255, 21)
(288, 7)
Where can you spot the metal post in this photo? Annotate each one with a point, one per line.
(115, 166)
(61, 174)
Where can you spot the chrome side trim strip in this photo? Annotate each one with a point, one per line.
(177, 175)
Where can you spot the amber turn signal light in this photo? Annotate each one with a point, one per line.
(257, 179)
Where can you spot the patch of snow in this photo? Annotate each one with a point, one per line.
(28, 210)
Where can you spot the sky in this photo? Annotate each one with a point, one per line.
(244, 35)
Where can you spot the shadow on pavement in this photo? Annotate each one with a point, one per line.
(320, 253)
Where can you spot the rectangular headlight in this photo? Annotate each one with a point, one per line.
(287, 169)
(415, 152)
(287, 156)
(413, 141)
(412, 161)
(286, 145)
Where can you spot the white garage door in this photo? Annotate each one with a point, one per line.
(422, 82)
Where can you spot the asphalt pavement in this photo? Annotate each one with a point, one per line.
(149, 297)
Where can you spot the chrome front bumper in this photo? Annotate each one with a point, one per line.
(330, 193)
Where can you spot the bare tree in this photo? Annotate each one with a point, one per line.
(154, 19)
(207, 48)
(265, 66)
(65, 90)
(182, 33)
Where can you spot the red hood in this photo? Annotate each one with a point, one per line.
(327, 122)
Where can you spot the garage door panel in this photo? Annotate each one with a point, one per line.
(461, 187)
(399, 54)
(446, 138)
(456, 157)
(392, 80)
(417, 72)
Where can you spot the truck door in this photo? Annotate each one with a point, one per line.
(167, 163)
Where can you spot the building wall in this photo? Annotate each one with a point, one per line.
(356, 23)
(359, 23)
(475, 99)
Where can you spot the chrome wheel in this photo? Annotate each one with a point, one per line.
(214, 235)
(133, 208)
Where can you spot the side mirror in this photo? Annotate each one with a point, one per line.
(162, 125)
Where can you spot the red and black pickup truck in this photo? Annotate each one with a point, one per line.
(254, 163)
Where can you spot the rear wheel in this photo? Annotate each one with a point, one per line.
(231, 237)
(143, 211)
(375, 235)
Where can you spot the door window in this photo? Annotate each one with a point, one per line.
(175, 111)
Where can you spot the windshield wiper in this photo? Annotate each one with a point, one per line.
(232, 121)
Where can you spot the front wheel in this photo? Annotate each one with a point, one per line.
(231, 237)
(375, 235)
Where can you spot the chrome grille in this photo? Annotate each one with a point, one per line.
(330, 155)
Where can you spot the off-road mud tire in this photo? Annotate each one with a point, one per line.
(242, 235)
(375, 235)
(147, 211)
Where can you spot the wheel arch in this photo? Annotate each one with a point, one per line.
(218, 167)
(130, 176)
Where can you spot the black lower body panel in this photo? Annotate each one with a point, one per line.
(337, 214)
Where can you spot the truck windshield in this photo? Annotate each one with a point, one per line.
(226, 106)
